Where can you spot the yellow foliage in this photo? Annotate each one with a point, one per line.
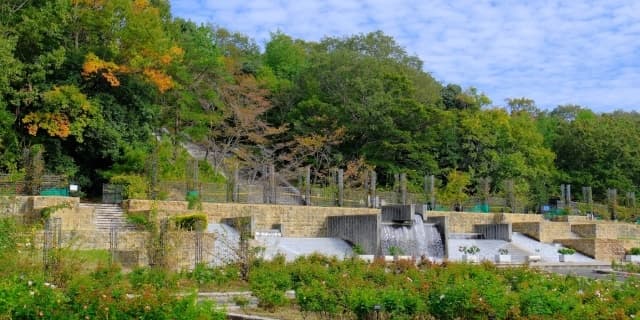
(175, 53)
(139, 5)
(94, 65)
(163, 81)
(92, 3)
(56, 124)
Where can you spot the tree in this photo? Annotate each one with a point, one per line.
(455, 191)
(526, 105)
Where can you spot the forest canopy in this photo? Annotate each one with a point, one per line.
(96, 82)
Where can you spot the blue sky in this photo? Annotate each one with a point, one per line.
(555, 52)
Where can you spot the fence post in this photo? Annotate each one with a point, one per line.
(113, 240)
(432, 191)
(340, 187)
(511, 197)
(587, 197)
(198, 244)
(236, 185)
(396, 188)
(612, 197)
(272, 184)
(307, 186)
(403, 187)
(374, 201)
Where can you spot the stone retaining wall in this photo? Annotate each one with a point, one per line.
(599, 249)
(180, 248)
(545, 231)
(607, 230)
(295, 221)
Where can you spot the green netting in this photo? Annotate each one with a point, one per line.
(192, 193)
(483, 208)
(61, 192)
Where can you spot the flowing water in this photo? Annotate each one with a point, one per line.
(419, 239)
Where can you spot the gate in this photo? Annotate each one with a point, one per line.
(111, 193)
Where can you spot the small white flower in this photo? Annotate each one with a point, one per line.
(30, 283)
(31, 293)
(441, 296)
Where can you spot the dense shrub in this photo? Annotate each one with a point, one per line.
(204, 275)
(269, 283)
(133, 186)
(191, 222)
(154, 277)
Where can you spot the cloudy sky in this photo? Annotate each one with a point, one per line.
(555, 52)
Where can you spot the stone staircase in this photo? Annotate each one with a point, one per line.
(107, 215)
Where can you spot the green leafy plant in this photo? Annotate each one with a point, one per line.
(133, 186)
(194, 201)
(472, 250)
(191, 222)
(140, 219)
(566, 251)
(635, 251)
(47, 212)
(395, 251)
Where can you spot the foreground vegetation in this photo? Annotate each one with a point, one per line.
(85, 285)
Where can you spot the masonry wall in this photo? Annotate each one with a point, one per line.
(296, 221)
(600, 249)
(464, 222)
(180, 247)
(531, 229)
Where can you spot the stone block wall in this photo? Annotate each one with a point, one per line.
(11, 206)
(584, 230)
(180, 246)
(555, 230)
(295, 221)
(462, 222)
(630, 243)
(545, 231)
(600, 249)
(607, 230)
(531, 229)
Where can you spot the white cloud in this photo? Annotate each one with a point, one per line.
(583, 51)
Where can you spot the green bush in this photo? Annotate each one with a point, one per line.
(8, 234)
(269, 283)
(205, 275)
(191, 222)
(140, 219)
(634, 251)
(154, 277)
(567, 251)
(193, 200)
(133, 186)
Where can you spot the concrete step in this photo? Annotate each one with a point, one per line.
(108, 215)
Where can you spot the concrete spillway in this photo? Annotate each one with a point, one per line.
(417, 239)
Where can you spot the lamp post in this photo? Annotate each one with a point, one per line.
(377, 310)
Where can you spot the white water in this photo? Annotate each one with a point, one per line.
(417, 240)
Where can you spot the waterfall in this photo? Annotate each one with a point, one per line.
(418, 239)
